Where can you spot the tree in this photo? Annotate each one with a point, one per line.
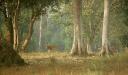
(30, 30)
(77, 42)
(10, 11)
(37, 8)
(16, 8)
(8, 54)
(105, 47)
(91, 23)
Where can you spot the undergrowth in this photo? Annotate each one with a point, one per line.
(61, 63)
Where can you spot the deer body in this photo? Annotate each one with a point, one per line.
(51, 48)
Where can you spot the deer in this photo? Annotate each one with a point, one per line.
(51, 48)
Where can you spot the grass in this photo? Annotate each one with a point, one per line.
(61, 63)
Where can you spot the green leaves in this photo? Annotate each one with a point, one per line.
(38, 3)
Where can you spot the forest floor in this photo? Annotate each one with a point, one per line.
(61, 63)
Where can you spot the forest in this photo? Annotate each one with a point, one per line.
(63, 37)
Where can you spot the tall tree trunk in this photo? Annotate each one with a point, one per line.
(74, 45)
(7, 54)
(35, 14)
(46, 29)
(28, 38)
(15, 26)
(40, 32)
(105, 49)
(77, 42)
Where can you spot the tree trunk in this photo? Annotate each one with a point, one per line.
(35, 14)
(46, 29)
(74, 45)
(7, 54)
(28, 38)
(15, 27)
(40, 33)
(105, 49)
(77, 42)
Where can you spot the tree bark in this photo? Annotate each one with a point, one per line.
(27, 39)
(15, 26)
(105, 48)
(46, 29)
(8, 56)
(77, 42)
(74, 45)
(35, 13)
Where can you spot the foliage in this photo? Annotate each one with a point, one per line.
(59, 29)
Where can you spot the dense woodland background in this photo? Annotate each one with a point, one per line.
(79, 27)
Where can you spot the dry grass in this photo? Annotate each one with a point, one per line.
(61, 63)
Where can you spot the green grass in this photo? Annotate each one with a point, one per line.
(61, 63)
